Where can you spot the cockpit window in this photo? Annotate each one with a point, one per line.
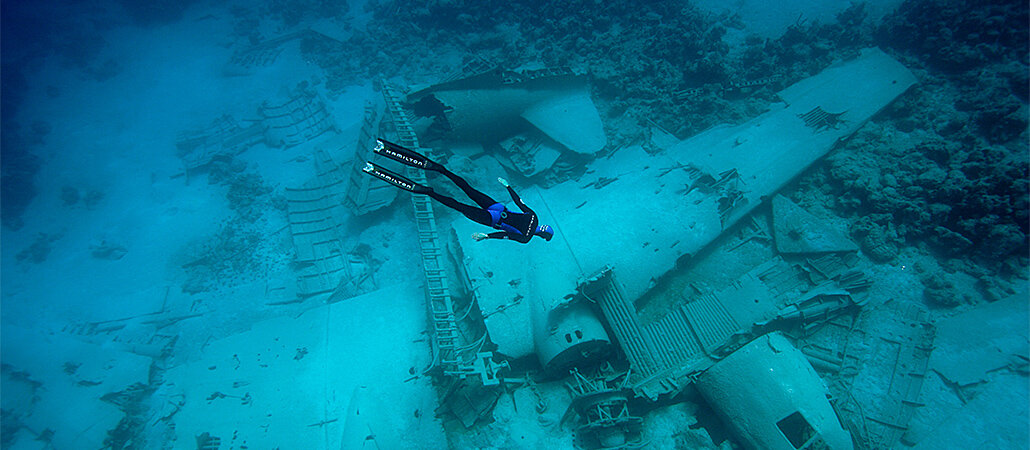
(796, 429)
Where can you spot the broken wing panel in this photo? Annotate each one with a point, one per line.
(861, 86)
(571, 119)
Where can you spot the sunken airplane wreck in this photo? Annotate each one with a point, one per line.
(577, 314)
(538, 118)
(562, 333)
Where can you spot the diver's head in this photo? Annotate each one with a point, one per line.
(544, 231)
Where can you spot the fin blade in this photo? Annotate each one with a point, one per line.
(393, 178)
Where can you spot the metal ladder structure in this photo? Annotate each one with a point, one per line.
(446, 354)
(365, 194)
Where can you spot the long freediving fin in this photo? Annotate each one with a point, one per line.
(405, 155)
(393, 178)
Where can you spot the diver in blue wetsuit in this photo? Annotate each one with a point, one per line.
(520, 227)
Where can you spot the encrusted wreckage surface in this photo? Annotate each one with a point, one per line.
(666, 215)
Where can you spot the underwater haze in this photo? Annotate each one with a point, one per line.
(389, 224)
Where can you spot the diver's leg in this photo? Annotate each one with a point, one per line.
(484, 201)
(394, 178)
(405, 155)
(474, 214)
(412, 158)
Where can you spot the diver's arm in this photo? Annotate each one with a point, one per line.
(510, 236)
(518, 201)
(514, 196)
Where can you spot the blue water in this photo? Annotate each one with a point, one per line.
(192, 256)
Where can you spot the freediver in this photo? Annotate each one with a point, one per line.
(519, 227)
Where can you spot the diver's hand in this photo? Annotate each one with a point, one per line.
(502, 181)
(479, 236)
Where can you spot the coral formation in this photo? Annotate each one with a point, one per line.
(956, 182)
(107, 250)
(40, 248)
(225, 259)
(241, 247)
(17, 178)
(945, 165)
(939, 291)
(878, 245)
(245, 193)
(663, 62)
(155, 12)
(292, 12)
(69, 196)
(93, 198)
(637, 67)
(959, 36)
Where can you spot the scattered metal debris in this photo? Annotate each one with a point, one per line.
(905, 339)
(601, 403)
(263, 54)
(467, 401)
(528, 154)
(299, 115)
(365, 194)
(721, 89)
(222, 140)
(107, 250)
(821, 120)
(323, 423)
(208, 442)
(498, 104)
(768, 394)
(799, 231)
(315, 213)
